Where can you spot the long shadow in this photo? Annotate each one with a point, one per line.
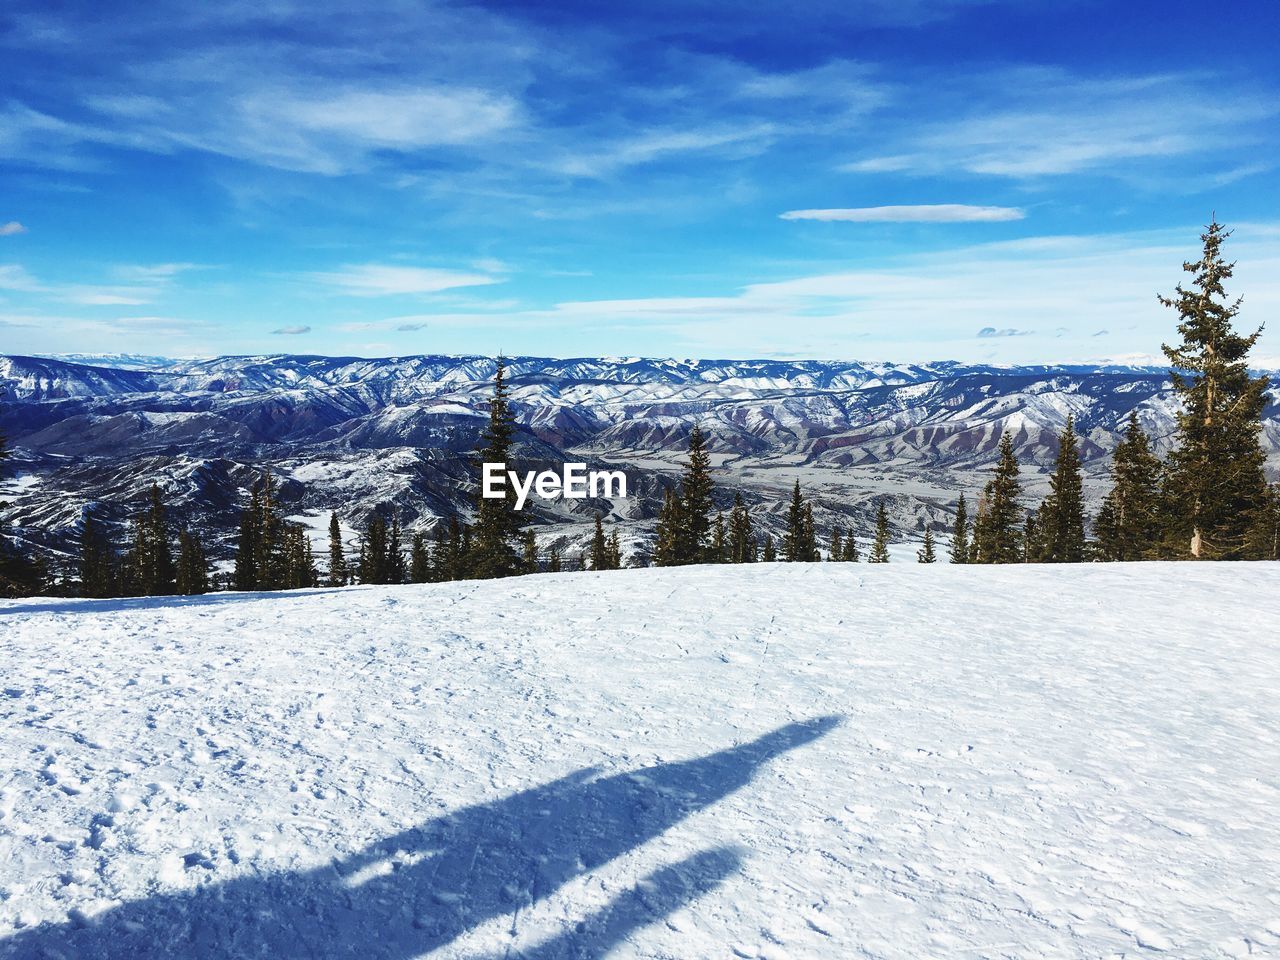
(423, 888)
(115, 604)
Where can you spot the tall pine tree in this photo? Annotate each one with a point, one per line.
(880, 545)
(926, 552)
(999, 528)
(338, 574)
(193, 566)
(1215, 486)
(1059, 523)
(960, 534)
(497, 526)
(1129, 521)
(97, 559)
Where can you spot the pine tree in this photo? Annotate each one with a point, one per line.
(1129, 522)
(297, 564)
(850, 554)
(529, 551)
(599, 547)
(396, 571)
(998, 531)
(97, 559)
(1215, 486)
(794, 547)
(768, 554)
(809, 552)
(837, 544)
(742, 540)
(960, 534)
(375, 551)
(338, 574)
(684, 525)
(193, 566)
(615, 551)
(497, 528)
(553, 559)
(419, 559)
(719, 550)
(149, 568)
(666, 548)
(880, 545)
(1263, 539)
(926, 553)
(1059, 534)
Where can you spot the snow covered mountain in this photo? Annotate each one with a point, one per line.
(791, 760)
(351, 434)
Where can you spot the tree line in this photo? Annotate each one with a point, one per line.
(1208, 499)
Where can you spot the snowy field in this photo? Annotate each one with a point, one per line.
(821, 761)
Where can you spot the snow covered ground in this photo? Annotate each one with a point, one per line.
(785, 761)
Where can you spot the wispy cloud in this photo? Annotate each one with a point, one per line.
(11, 229)
(987, 332)
(383, 280)
(14, 276)
(1003, 125)
(914, 213)
(293, 331)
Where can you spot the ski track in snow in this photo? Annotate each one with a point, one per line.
(764, 762)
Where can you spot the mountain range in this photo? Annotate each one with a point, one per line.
(352, 434)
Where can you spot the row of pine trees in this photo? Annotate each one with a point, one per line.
(1208, 499)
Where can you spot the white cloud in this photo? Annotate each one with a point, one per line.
(382, 280)
(914, 213)
(1030, 122)
(293, 331)
(654, 145)
(15, 277)
(11, 229)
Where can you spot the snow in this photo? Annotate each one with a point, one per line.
(826, 760)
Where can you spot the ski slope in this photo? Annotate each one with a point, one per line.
(773, 761)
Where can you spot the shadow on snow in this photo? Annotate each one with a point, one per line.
(426, 886)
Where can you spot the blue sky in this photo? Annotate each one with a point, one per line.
(897, 179)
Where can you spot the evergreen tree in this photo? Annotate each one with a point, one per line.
(297, 564)
(396, 572)
(850, 554)
(926, 553)
(880, 545)
(998, 531)
(1059, 534)
(149, 568)
(615, 551)
(375, 551)
(1034, 546)
(599, 547)
(1215, 486)
(742, 540)
(684, 525)
(529, 551)
(719, 550)
(768, 554)
(246, 567)
(497, 529)
(960, 534)
(338, 574)
(1263, 539)
(419, 559)
(97, 559)
(666, 549)
(553, 559)
(193, 566)
(837, 544)
(1129, 522)
(796, 547)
